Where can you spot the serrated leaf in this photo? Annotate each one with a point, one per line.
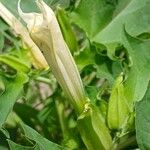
(92, 16)
(134, 15)
(139, 74)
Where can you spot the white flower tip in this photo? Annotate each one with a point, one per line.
(31, 19)
(45, 9)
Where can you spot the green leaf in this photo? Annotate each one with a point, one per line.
(143, 121)
(139, 73)
(17, 59)
(14, 62)
(84, 53)
(118, 110)
(1, 42)
(24, 110)
(14, 146)
(104, 68)
(92, 16)
(3, 25)
(2, 87)
(92, 92)
(13, 87)
(134, 15)
(42, 142)
(68, 34)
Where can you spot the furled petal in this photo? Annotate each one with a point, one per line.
(32, 19)
(20, 30)
(47, 35)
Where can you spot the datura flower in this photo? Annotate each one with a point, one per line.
(35, 55)
(45, 32)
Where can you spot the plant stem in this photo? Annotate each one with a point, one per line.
(43, 79)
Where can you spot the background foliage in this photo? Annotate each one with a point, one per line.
(110, 42)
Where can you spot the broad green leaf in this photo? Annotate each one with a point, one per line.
(143, 121)
(14, 146)
(118, 110)
(92, 16)
(3, 26)
(117, 68)
(119, 6)
(42, 142)
(139, 73)
(134, 15)
(24, 110)
(92, 92)
(84, 58)
(13, 87)
(104, 68)
(66, 29)
(2, 87)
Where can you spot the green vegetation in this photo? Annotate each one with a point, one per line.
(74, 74)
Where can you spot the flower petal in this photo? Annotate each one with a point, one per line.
(32, 19)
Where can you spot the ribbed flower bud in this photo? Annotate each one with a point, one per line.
(45, 32)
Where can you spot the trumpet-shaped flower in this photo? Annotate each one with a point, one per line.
(35, 54)
(45, 32)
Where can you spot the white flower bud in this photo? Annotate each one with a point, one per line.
(45, 32)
